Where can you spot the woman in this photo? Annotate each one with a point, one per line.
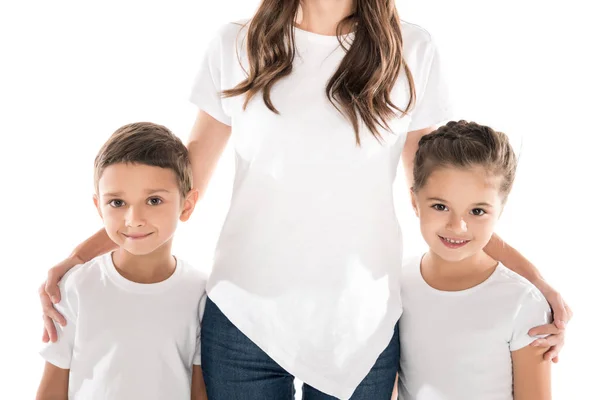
(322, 98)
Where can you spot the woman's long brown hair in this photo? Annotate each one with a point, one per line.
(362, 85)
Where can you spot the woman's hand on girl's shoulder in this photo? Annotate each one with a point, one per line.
(562, 314)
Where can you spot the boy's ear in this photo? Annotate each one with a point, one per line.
(189, 203)
(413, 201)
(501, 210)
(97, 204)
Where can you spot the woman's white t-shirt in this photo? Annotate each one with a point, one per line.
(307, 264)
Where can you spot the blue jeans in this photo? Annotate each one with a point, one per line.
(235, 368)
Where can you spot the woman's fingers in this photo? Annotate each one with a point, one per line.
(548, 329)
(51, 289)
(48, 308)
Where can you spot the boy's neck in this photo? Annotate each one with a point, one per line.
(456, 275)
(149, 268)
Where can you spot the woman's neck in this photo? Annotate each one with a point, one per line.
(457, 275)
(323, 16)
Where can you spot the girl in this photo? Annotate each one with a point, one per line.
(464, 328)
(321, 98)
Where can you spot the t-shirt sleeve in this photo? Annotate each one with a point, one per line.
(532, 311)
(61, 352)
(207, 86)
(198, 354)
(433, 102)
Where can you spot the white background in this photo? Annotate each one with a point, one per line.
(74, 71)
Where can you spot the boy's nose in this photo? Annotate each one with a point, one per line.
(134, 217)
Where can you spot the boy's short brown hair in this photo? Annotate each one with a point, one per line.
(149, 144)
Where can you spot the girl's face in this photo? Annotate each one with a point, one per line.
(458, 209)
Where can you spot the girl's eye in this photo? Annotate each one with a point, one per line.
(478, 211)
(439, 207)
(154, 201)
(116, 203)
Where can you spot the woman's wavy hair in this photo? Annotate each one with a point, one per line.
(360, 88)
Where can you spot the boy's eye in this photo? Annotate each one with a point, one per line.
(439, 207)
(478, 211)
(154, 201)
(116, 203)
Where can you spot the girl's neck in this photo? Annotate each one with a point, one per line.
(150, 268)
(457, 275)
(323, 16)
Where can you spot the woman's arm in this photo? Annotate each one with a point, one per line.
(531, 374)
(54, 384)
(95, 245)
(206, 143)
(410, 150)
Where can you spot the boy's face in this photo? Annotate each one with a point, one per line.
(460, 206)
(141, 205)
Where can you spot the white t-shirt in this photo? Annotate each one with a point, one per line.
(125, 340)
(307, 261)
(457, 345)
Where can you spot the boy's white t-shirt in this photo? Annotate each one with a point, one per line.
(307, 261)
(125, 340)
(457, 345)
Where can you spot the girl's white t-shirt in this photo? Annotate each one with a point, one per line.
(307, 264)
(457, 345)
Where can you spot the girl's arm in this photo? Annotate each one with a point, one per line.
(54, 384)
(206, 144)
(531, 374)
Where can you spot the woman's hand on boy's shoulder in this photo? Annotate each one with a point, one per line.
(562, 314)
(50, 294)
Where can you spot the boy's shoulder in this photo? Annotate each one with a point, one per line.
(83, 274)
(192, 276)
(98, 273)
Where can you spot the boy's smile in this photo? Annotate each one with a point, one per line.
(140, 206)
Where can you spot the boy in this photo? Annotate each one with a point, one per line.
(133, 315)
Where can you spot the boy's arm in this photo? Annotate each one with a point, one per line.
(198, 386)
(531, 374)
(54, 384)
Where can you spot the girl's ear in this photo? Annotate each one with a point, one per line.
(413, 200)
